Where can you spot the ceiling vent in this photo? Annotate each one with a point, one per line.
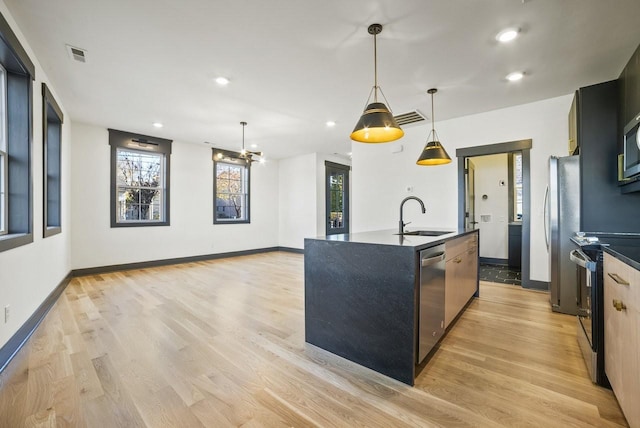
(77, 54)
(409, 118)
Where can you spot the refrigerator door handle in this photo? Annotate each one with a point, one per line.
(545, 215)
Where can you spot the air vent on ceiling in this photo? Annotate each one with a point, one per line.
(409, 118)
(77, 54)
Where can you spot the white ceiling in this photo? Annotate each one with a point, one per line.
(295, 64)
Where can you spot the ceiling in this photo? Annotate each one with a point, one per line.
(293, 65)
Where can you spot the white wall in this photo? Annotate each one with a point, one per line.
(490, 171)
(191, 233)
(381, 178)
(302, 197)
(30, 272)
(297, 200)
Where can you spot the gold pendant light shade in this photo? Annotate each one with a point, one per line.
(376, 125)
(433, 152)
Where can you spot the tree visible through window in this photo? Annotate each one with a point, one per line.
(139, 179)
(140, 185)
(231, 188)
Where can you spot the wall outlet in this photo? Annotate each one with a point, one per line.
(6, 314)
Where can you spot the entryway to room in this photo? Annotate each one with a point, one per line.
(493, 202)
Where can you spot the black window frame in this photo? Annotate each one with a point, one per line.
(330, 169)
(234, 158)
(141, 143)
(20, 76)
(52, 119)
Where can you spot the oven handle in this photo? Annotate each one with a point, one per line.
(582, 260)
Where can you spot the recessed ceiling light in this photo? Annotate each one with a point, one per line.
(507, 35)
(157, 124)
(254, 146)
(331, 123)
(515, 76)
(222, 81)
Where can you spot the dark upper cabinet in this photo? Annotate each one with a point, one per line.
(629, 91)
(603, 207)
(629, 108)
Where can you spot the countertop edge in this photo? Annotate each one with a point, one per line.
(633, 263)
(426, 241)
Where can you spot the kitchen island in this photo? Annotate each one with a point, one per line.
(362, 294)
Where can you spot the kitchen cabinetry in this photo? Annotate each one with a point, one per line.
(629, 106)
(622, 335)
(365, 293)
(596, 122)
(630, 90)
(515, 245)
(461, 277)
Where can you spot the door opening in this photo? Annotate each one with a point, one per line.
(516, 216)
(470, 200)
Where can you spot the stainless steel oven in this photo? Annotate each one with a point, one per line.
(590, 319)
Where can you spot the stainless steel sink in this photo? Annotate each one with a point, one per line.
(426, 232)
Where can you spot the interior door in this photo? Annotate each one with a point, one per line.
(470, 190)
(337, 194)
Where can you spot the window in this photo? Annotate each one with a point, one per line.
(517, 185)
(139, 179)
(52, 147)
(16, 75)
(231, 187)
(4, 159)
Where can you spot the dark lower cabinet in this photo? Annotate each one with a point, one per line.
(515, 245)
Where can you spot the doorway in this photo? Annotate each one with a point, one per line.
(494, 206)
(337, 194)
(519, 201)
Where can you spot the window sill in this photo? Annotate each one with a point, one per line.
(14, 240)
(231, 221)
(140, 224)
(51, 230)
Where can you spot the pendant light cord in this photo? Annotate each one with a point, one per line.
(243, 123)
(375, 67)
(433, 119)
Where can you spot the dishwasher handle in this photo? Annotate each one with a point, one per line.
(432, 260)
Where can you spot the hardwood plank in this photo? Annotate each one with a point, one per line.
(221, 343)
(115, 406)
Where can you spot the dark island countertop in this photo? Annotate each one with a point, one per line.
(392, 238)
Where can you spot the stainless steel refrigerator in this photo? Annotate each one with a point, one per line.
(562, 221)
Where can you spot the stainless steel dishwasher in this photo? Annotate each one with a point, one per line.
(431, 297)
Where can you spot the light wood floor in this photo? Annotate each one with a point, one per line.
(221, 343)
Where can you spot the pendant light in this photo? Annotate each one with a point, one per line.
(377, 124)
(433, 153)
(244, 153)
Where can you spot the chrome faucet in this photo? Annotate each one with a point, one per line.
(402, 224)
